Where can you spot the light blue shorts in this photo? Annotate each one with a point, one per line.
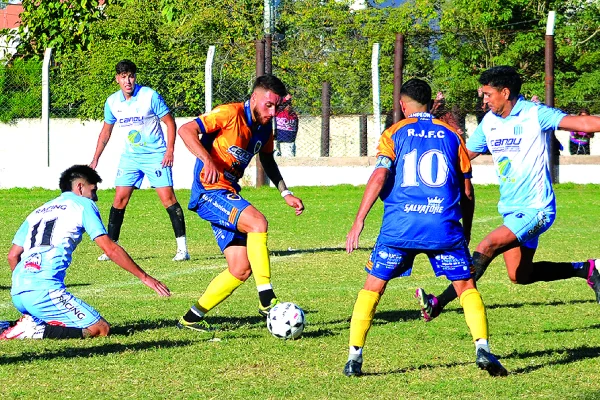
(387, 262)
(56, 307)
(528, 224)
(222, 209)
(132, 170)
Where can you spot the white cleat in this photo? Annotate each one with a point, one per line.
(103, 257)
(182, 255)
(25, 328)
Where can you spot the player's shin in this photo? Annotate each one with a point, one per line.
(362, 318)
(62, 332)
(475, 316)
(218, 290)
(115, 221)
(258, 255)
(177, 220)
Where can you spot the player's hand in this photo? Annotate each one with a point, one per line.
(168, 159)
(295, 202)
(353, 235)
(94, 164)
(210, 172)
(157, 286)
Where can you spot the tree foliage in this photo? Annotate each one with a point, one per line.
(448, 42)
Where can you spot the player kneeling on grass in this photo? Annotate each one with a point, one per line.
(41, 253)
(224, 141)
(423, 176)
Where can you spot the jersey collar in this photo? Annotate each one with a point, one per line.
(248, 112)
(518, 107)
(420, 114)
(135, 92)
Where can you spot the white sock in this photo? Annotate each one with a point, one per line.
(355, 354)
(181, 244)
(482, 344)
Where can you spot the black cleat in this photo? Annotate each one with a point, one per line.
(353, 368)
(490, 363)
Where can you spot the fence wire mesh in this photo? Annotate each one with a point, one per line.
(79, 92)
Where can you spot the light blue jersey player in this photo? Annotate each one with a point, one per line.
(41, 253)
(423, 178)
(136, 112)
(516, 133)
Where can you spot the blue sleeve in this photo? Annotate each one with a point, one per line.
(549, 118)
(92, 223)
(21, 234)
(159, 107)
(476, 142)
(109, 118)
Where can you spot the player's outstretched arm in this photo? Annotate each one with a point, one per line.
(14, 256)
(117, 254)
(374, 186)
(272, 170)
(169, 121)
(103, 139)
(583, 123)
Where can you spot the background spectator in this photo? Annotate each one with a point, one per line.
(286, 129)
(579, 142)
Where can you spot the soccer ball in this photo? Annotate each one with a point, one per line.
(286, 321)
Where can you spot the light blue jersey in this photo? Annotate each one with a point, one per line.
(139, 119)
(49, 236)
(519, 147)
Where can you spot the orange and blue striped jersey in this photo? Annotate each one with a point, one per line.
(428, 164)
(231, 141)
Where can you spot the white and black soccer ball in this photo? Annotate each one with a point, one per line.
(286, 321)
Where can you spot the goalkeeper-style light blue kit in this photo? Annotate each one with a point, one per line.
(49, 237)
(138, 120)
(519, 147)
(428, 164)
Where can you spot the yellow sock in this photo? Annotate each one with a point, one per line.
(472, 304)
(362, 316)
(218, 290)
(258, 255)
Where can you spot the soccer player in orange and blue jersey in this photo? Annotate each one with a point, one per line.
(224, 141)
(423, 178)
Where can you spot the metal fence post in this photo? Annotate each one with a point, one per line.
(375, 83)
(398, 67)
(261, 176)
(325, 116)
(363, 135)
(549, 94)
(210, 55)
(46, 98)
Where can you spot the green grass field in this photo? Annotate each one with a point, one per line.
(547, 334)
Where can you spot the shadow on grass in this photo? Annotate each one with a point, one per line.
(101, 350)
(572, 355)
(418, 368)
(2, 287)
(283, 253)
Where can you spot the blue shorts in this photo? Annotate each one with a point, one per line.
(222, 209)
(132, 170)
(387, 262)
(56, 307)
(529, 224)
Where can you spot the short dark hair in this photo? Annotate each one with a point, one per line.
(125, 66)
(77, 172)
(584, 111)
(272, 83)
(418, 90)
(502, 77)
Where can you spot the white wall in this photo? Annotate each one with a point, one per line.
(24, 157)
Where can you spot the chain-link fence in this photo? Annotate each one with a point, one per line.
(78, 91)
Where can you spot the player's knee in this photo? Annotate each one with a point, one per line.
(241, 272)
